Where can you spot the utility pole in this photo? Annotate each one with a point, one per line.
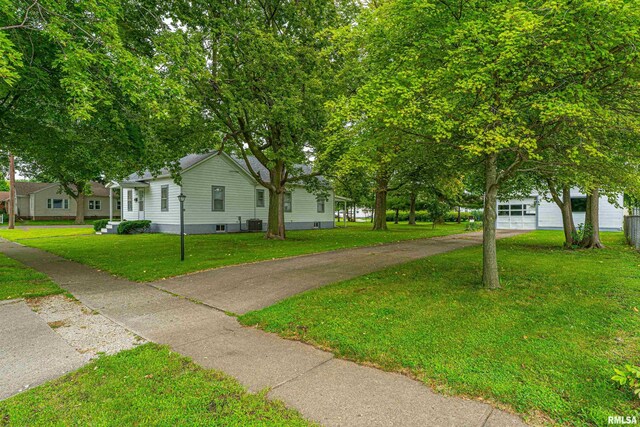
(12, 192)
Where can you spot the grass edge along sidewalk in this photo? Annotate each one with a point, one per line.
(149, 385)
(547, 343)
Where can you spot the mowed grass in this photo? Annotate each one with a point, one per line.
(545, 345)
(20, 281)
(149, 385)
(146, 257)
(28, 222)
(19, 233)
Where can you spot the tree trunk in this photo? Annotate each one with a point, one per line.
(490, 277)
(564, 204)
(591, 239)
(412, 209)
(459, 220)
(275, 226)
(380, 212)
(79, 207)
(397, 216)
(12, 192)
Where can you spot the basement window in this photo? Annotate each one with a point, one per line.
(221, 228)
(316, 225)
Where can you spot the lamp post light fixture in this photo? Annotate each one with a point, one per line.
(182, 198)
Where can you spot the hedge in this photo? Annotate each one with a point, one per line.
(425, 216)
(131, 227)
(100, 224)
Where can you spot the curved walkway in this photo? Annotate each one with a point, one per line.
(331, 391)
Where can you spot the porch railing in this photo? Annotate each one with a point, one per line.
(632, 228)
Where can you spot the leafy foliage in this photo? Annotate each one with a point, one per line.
(629, 377)
(99, 224)
(134, 227)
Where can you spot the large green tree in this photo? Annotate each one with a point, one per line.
(499, 80)
(254, 72)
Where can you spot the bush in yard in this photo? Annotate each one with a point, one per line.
(133, 227)
(629, 377)
(100, 224)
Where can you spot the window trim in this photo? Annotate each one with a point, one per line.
(258, 199)
(290, 195)
(213, 199)
(164, 198)
(64, 204)
(95, 204)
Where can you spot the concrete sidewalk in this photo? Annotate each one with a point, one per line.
(31, 353)
(242, 288)
(325, 389)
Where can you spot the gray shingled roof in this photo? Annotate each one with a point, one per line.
(193, 159)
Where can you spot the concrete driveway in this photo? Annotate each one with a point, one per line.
(242, 288)
(325, 389)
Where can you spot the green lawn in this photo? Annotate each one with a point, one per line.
(547, 343)
(20, 281)
(146, 257)
(28, 222)
(149, 385)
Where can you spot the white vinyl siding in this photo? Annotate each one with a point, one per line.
(240, 193)
(240, 198)
(549, 215)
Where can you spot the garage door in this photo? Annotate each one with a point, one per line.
(517, 214)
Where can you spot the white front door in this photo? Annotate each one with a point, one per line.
(141, 203)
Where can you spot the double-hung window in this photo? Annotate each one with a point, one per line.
(217, 198)
(58, 203)
(260, 198)
(320, 205)
(164, 198)
(288, 205)
(95, 205)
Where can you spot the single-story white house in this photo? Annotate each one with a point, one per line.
(221, 196)
(537, 213)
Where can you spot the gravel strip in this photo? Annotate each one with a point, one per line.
(89, 332)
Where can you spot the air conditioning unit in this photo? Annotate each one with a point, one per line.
(254, 224)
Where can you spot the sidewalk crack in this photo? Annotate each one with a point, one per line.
(301, 374)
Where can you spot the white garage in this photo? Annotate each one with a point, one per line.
(537, 212)
(518, 214)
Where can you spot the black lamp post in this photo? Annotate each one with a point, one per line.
(182, 197)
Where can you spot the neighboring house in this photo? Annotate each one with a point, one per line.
(48, 201)
(4, 195)
(536, 213)
(221, 196)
